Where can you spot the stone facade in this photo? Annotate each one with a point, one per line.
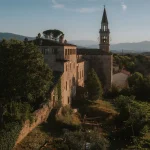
(62, 57)
(74, 63)
(71, 66)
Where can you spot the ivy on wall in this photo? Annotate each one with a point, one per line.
(57, 92)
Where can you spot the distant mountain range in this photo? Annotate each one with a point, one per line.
(8, 36)
(143, 46)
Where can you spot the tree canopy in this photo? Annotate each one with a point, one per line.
(93, 86)
(23, 74)
(53, 34)
(134, 116)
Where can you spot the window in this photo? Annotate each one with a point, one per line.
(65, 51)
(66, 85)
(74, 65)
(46, 51)
(70, 66)
(70, 83)
(68, 51)
(104, 28)
(66, 67)
(73, 81)
(54, 51)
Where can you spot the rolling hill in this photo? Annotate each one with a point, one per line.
(143, 46)
(8, 36)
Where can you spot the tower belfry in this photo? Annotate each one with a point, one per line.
(104, 33)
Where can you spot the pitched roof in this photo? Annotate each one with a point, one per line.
(84, 51)
(104, 18)
(47, 42)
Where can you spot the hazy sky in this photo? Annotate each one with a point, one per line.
(129, 20)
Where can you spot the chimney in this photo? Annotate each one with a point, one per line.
(61, 39)
(65, 41)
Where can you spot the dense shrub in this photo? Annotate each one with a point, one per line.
(68, 119)
(9, 135)
(23, 73)
(78, 140)
(133, 116)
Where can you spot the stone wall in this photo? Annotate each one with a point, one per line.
(81, 73)
(39, 116)
(120, 80)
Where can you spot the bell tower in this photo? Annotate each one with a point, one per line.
(104, 33)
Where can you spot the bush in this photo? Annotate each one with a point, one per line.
(78, 140)
(9, 135)
(68, 119)
(134, 116)
(24, 75)
(18, 111)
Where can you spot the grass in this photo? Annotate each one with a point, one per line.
(99, 108)
(68, 118)
(104, 106)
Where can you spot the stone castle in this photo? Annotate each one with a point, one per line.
(71, 64)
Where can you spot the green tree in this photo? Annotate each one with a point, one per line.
(23, 74)
(79, 140)
(38, 36)
(133, 115)
(53, 34)
(93, 86)
(135, 79)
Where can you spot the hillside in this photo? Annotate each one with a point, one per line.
(8, 36)
(143, 46)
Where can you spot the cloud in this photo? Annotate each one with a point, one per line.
(124, 6)
(79, 10)
(57, 5)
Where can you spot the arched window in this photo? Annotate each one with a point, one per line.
(104, 28)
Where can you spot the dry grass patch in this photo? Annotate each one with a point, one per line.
(68, 117)
(103, 106)
(101, 109)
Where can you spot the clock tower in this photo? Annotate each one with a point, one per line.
(104, 33)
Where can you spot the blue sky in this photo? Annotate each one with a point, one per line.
(129, 20)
